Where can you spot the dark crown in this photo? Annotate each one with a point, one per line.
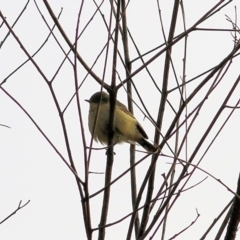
(99, 97)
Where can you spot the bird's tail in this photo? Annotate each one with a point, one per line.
(147, 145)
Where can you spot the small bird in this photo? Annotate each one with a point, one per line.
(126, 126)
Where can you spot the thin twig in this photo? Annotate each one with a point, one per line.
(15, 211)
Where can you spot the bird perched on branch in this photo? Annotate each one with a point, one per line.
(126, 126)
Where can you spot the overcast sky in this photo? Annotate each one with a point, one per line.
(30, 169)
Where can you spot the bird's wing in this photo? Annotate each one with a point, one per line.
(124, 109)
(139, 127)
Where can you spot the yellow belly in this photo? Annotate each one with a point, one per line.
(125, 126)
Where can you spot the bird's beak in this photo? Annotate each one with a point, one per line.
(87, 100)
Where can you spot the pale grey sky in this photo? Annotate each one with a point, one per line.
(30, 169)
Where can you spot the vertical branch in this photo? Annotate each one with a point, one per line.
(85, 204)
(176, 152)
(110, 153)
(128, 68)
(235, 216)
(160, 117)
